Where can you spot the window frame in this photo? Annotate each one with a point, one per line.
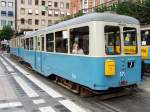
(3, 2)
(51, 41)
(120, 45)
(70, 48)
(55, 43)
(130, 45)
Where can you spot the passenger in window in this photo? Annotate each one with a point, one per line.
(127, 39)
(76, 49)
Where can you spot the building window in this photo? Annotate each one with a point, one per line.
(50, 12)
(22, 21)
(67, 5)
(30, 11)
(56, 13)
(30, 21)
(36, 22)
(3, 13)
(22, 11)
(30, 2)
(68, 13)
(10, 23)
(3, 3)
(22, 1)
(43, 22)
(79, 40)
(10, 4)
(10, 13)
(49, 22)
(50, 42)
(36, 2)
(3, 22)
(49, 3)
(55, 4)
(61, 5)
(36, 12)
(43, 13)
(43, 2)
(61, 42)
(62, 13)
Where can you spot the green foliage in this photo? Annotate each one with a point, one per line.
(136, 9)
(6, 33)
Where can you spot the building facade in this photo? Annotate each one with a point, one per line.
(35, 14)
(7, 13)
(84, 5)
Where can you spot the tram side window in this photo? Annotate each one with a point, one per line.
(112, 40)
(50, 42)
(61, 42)
(79, 40)
(27, 44)
(130, 40)
(42, 43)
(31, 43)
(145, 37)
(22, 43)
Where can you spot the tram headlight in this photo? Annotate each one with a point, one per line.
(110, 67)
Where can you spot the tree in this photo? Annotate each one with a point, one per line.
(6, 33)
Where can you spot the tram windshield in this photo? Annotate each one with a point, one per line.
(112, 39)
(145, 37)
(130, 40)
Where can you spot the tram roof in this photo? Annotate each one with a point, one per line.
(106, 17)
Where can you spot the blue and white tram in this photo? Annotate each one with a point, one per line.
(97, 50)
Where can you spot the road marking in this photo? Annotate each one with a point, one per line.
(17, 67)
(43, 86)
(47, 109)
(30, 92)
(46, 88)
(39, 101)
(72, 106)
(10, 105)
(67, 103)
(147, 89)
(8, 67)
(4, 63)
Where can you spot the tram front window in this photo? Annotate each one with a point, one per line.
(112, 40)
(130, 40)
(145, 37)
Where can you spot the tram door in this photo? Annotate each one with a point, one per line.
(38, 64)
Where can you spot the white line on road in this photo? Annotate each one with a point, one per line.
(39, 101)
(4, 63)
(8, 67)
(72, 106)
(67, 103)
(30, 92)
(46, 88)
(47, 109)
(10, 105)
(17, 67)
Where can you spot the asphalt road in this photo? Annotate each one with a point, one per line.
(138, 101)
